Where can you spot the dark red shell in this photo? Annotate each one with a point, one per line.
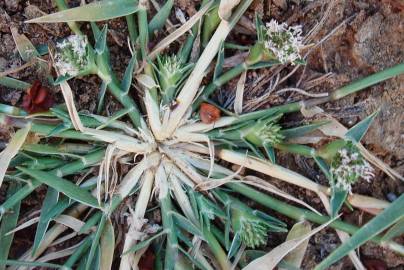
(37, 98)
(374, 264)
(147, 260)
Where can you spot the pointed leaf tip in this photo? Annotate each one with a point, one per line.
(357, 132)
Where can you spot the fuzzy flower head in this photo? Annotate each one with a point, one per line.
(171, 70)
(348, 166)
(265, 132)
(283, 41)
(72, 55)
(253, 231)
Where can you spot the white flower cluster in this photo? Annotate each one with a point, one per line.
(348, 167)
(71, 56)
(285, 42)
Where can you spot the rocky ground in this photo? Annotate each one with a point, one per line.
(365, 36)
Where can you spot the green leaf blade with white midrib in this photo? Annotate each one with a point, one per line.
(8, 223)
(379, 223)
(94, 12)
(62, 185)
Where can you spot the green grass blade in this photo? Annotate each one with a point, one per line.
(235, 245)
(14, 83)
(127, 77)
(101, 41)
(71, 168)
(357, 132)
(338, 196)
(300, 131)
(58, 208)
(219, 62)
(107, 246)
(161, 17)
(45, 149)
(143, 31)
(396, 230)
(62, 185)
(92, 221)
(9, 223)
(379, 223)
(78, 253)
(132, 29)
(368, 81)
(95, 244)
(101, 97)
(186, 224)
(94, 12)
(51, 198)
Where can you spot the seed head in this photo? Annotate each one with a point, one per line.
(170, 69)
(283, 41)
(348, 166)
(265, 131)
(72, 56)
(253, 230)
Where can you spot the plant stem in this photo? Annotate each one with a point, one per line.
(359, 85)
(43, 129)
(130, 21)
(168, 224)
(159, 20)
(296, 149)
(61, 4)
(300, 214)
(337, 94)
(216, 249)
(127, 102)
(143, 28)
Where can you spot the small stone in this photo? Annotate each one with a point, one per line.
(12, 5)
(391, 197)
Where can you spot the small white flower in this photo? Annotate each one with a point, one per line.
(72, 56)
(348, 167)
(285, 42)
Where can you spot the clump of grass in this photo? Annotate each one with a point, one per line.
(169, 151)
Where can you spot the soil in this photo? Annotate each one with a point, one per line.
(371, 39)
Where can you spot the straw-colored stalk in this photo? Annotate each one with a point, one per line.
(191, 86)
(132, 236)
(283, 174)
(182, 198)
(153, 114)
(12, 149)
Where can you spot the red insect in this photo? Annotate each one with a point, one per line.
(209, 113)
(37, 98)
